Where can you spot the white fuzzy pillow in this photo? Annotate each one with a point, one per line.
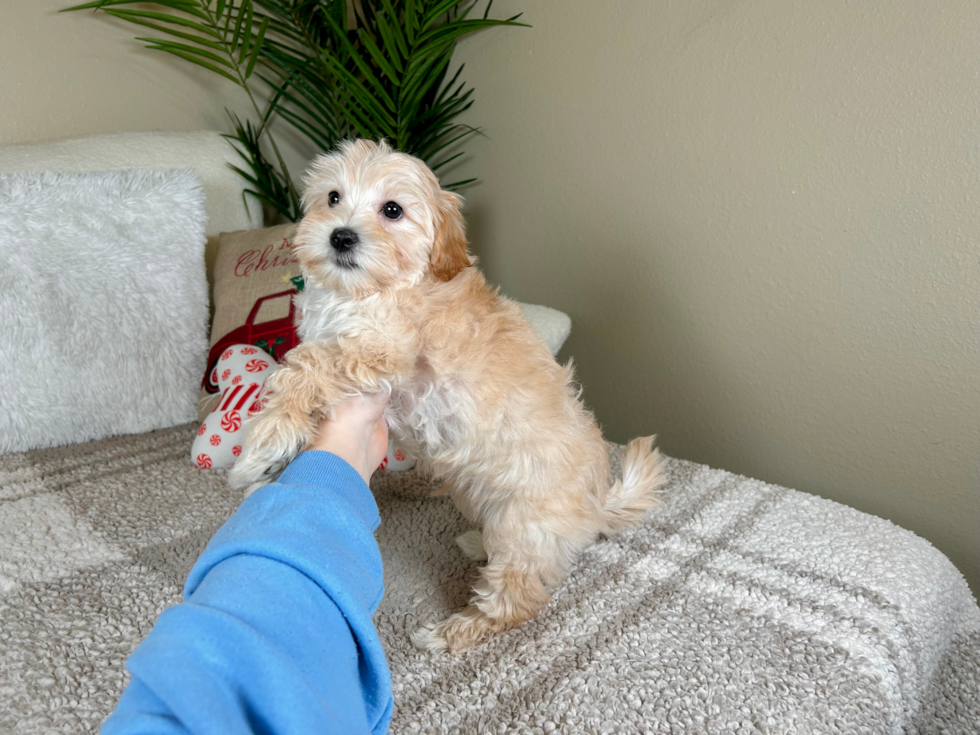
(103, 304)
(206, 152)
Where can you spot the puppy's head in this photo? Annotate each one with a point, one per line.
(376, 219)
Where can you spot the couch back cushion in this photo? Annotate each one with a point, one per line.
(207, 153)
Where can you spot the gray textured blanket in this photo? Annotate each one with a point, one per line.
(738, 607)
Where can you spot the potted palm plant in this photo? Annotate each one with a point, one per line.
(330, 69)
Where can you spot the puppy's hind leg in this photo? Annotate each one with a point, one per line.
(513, 588)
(506, 596)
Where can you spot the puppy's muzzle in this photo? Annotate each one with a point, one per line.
(343, 240)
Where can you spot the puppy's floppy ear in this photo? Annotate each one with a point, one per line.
(449, 254)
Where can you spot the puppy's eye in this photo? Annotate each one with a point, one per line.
(333, 198)
(391, 210)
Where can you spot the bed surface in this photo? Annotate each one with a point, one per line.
(737, 607)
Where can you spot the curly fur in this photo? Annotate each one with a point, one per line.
(475, 392)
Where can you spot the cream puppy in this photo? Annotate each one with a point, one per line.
(394, 303)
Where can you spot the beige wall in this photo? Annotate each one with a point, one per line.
(64, 75)
(763, 218)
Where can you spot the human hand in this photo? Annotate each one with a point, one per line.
(356, 433)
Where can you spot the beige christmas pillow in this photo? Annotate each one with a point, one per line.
(255, 278)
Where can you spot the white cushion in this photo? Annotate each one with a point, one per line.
(206, 152)
(103, 304)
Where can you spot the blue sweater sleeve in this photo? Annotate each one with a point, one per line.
(275, 632)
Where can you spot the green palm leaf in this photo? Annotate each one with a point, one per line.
(186, 49)
(193, 58)
(169, 30)
(188, 6)
(380, 73)
(134, 16)
(256, 48)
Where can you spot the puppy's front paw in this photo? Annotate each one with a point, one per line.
(273, 438)
(258, 466)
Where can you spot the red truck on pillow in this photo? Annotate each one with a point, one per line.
(277, 336)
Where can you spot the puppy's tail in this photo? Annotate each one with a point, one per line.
(638, 490)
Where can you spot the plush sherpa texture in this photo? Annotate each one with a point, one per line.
(103, 304)
(206, 152)
(737, 607)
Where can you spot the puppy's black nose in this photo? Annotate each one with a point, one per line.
(343, 240)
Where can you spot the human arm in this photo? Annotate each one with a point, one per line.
(275, 633)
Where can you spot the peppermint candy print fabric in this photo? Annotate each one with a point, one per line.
(240, 374)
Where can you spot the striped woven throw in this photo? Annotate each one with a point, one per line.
(738, 607)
